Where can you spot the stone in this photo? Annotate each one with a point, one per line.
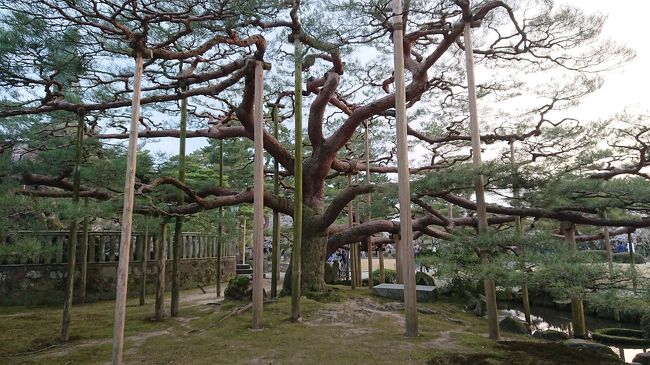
(513, 325)
(589, 346)
(551, 335)
(424, 293)
(642, 358)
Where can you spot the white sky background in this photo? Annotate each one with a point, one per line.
(624, 88)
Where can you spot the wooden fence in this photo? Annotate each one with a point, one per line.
(50, 247)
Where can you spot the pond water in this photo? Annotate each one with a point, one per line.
(552, 319)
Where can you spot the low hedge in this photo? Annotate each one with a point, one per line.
(621, 337)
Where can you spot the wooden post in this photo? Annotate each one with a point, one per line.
(481, 212)
(258, 199)
(178, 226)
(275, 250)
(353, 254)
(577, 309)
(368, 207)
(398, 260)
(608, 244)
(144, 258)
(162, 258)
(630, 249)
(220, 228)
(83, 278)
(296, 261)
(72, 241)
(243, 244)
(406, 231)
(127, 214)
(518, 234)
(382, 269)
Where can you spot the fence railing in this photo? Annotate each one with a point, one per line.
(50, 247)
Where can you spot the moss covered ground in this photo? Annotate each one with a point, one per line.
(349, 327)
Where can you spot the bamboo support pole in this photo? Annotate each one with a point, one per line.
(519, 233)
(353, 256)
(127, 214)
(406, 231)
(368, 207)
(143, 261)
(577, 308)
(83, 277)
(608, 244)
(630, 249)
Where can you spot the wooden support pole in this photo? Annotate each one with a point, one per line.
(369, 205)
(481, 211)
(178, 226)
(577, 308)
(74, 227)
(404, 190)
(144, 258)
(243, 243)
(275, 250)
(398, 260)
(353, 246)
(83, 270)
(258, 200)
(630, 249)
(220, 227)
(296, 260)
(518, 234)
(608, 244)
(127, 215)
(162, 258)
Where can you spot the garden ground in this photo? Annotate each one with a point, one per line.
(349, 327)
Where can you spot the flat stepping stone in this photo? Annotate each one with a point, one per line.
(424, 293)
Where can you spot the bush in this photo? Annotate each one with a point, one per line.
(390, 277)
(238, 288)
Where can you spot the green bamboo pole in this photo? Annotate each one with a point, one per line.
(72, 242)
(275, 251)
(220, 228)
(296, 262)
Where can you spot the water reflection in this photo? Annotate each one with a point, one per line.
(551, 319)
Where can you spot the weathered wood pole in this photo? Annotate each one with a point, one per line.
(406, 231)
(481, 211)
(369, 204)
(630, 249)
(162, 258)
(577, 308)
(83, 270)
(608, 244)
(296, 260)
(178, 226)
(518, 234)
(144, 259)
(243, 243)
(127, 212)
(220, 227)
(382, 269)
(74, 227)
(353, 256)
(399, 272)
(258, 199)
(275, 250)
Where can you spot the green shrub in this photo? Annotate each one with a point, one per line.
(390, 277)
(238, 288)
(645, 324)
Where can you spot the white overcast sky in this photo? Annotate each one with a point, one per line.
(624, 88)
